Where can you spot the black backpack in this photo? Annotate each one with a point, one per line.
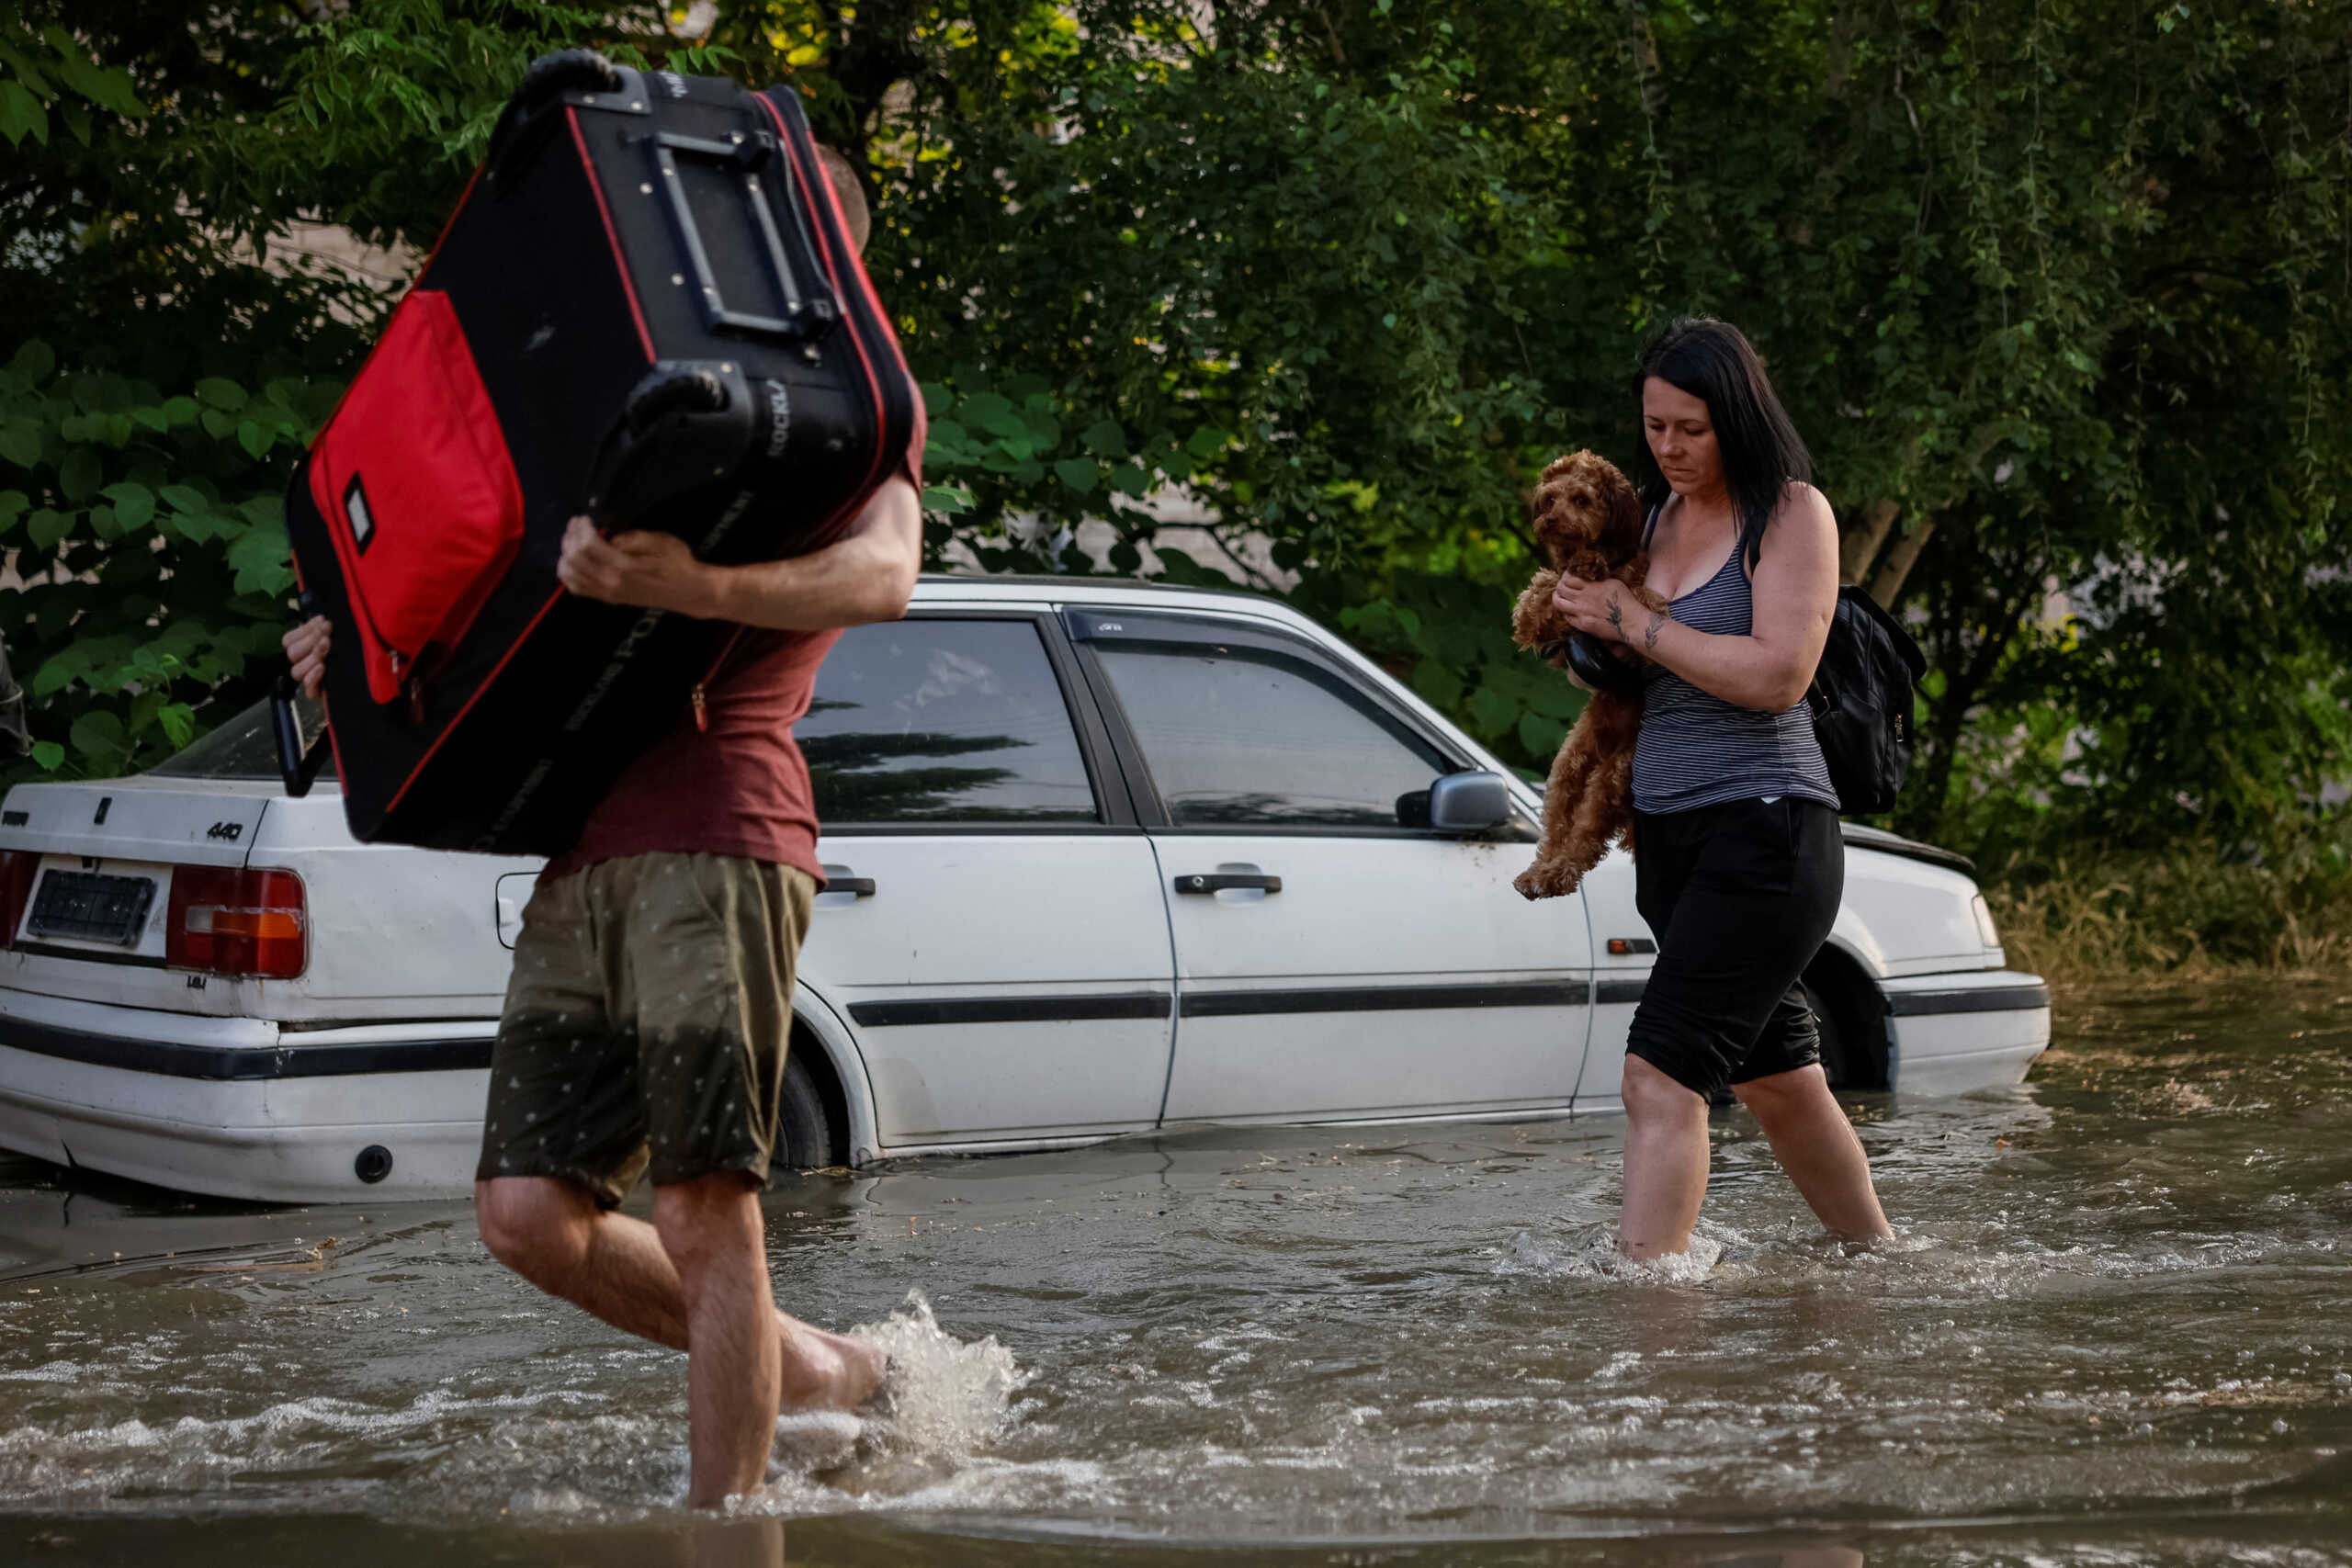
(1861, 703)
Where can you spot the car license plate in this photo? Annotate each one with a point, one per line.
(89, 905)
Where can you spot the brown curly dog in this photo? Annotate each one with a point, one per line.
(1587, 519)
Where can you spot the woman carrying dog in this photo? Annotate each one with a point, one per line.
(1738, 862)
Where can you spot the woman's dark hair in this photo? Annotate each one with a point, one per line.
(1762, 452)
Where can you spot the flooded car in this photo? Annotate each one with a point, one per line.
(1103, 859)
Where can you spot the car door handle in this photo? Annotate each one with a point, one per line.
(1219, 881)
(839, 880)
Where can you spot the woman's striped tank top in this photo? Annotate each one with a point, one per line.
(1697, 750)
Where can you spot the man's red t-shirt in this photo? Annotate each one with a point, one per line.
(735, 783)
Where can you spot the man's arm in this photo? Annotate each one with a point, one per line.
(868, 574)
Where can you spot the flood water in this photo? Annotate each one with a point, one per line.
(2117, 1328)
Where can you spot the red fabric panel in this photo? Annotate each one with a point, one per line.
(419, 493)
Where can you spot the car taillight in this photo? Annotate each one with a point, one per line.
(18, 869)
(237, 922)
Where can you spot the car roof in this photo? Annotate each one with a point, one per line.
(934, 586)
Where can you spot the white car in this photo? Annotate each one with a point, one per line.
(1105, 858)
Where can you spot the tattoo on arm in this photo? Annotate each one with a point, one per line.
(1658, 624)
(1617, 621)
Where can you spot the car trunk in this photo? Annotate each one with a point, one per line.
(94, 923)
(389, 933)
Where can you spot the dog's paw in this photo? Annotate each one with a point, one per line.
(1544, 882)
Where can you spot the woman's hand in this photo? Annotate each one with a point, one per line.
(656, 572)
(1607, 610)
(306, 645)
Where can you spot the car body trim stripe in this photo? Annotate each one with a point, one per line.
(923, 1011)
(1975, 998)
(1386, 998)
(178, 1059)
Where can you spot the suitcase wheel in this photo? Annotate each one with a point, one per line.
(549, 77)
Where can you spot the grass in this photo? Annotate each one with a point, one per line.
(2088, 917)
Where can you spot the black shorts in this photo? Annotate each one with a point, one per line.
(1740, 896)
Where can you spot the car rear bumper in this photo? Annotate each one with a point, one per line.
(233, 1108)
(1951, 1033)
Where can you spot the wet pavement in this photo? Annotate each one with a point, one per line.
(2117, 1326)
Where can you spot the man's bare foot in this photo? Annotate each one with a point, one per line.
(827, 1371)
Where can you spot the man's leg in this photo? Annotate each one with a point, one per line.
(554, 1235)
(710, 1229)
(1816, 1145)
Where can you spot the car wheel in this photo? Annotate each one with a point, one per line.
(805, 1129)
(1846, 1056)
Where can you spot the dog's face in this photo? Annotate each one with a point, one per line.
(1582, 503)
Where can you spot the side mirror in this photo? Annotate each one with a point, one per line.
(1469, 802)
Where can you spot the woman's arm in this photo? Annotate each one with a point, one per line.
(1796, 593)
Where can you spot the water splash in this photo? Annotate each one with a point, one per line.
(1591, 1254)
(945, 1395)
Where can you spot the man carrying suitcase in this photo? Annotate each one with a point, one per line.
(646, 1024)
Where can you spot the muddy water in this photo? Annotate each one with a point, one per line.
(2117, 1326)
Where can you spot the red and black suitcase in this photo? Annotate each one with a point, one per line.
(648, 308)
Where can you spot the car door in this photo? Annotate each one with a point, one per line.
(993, 933)
(1622, 953)
(1333, 960)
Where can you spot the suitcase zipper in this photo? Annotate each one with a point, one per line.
(700, 696)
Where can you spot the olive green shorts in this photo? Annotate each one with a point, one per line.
(647, 1022)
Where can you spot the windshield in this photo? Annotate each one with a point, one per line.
(243, 747)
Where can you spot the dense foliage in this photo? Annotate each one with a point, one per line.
(2058, 292)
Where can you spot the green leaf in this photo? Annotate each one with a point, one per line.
(1080, 473)
(1206, 442)
(262, 562)
(20, 443)
(22, 115)
(1130, 480)
(180, 409)
(12, 506)
(49, 754)
(187, 498)
(47, 526)
(134, 505)
(79, 476)
(1491, 711)
(36, 361)
(254, 438)
(97, 734)
(949, 500)
(179, 724)
(1541, 736)
(1106, 439)
(221, 394)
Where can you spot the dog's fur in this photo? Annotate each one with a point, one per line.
(1587, 519)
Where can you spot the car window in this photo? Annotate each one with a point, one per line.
(1241, 735)
(242, 747)
(943, 721)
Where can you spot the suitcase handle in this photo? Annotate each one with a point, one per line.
(537, 104)
(298, 765)
(808, 312)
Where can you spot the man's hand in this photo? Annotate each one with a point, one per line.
(306, 645)
(655, 572)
